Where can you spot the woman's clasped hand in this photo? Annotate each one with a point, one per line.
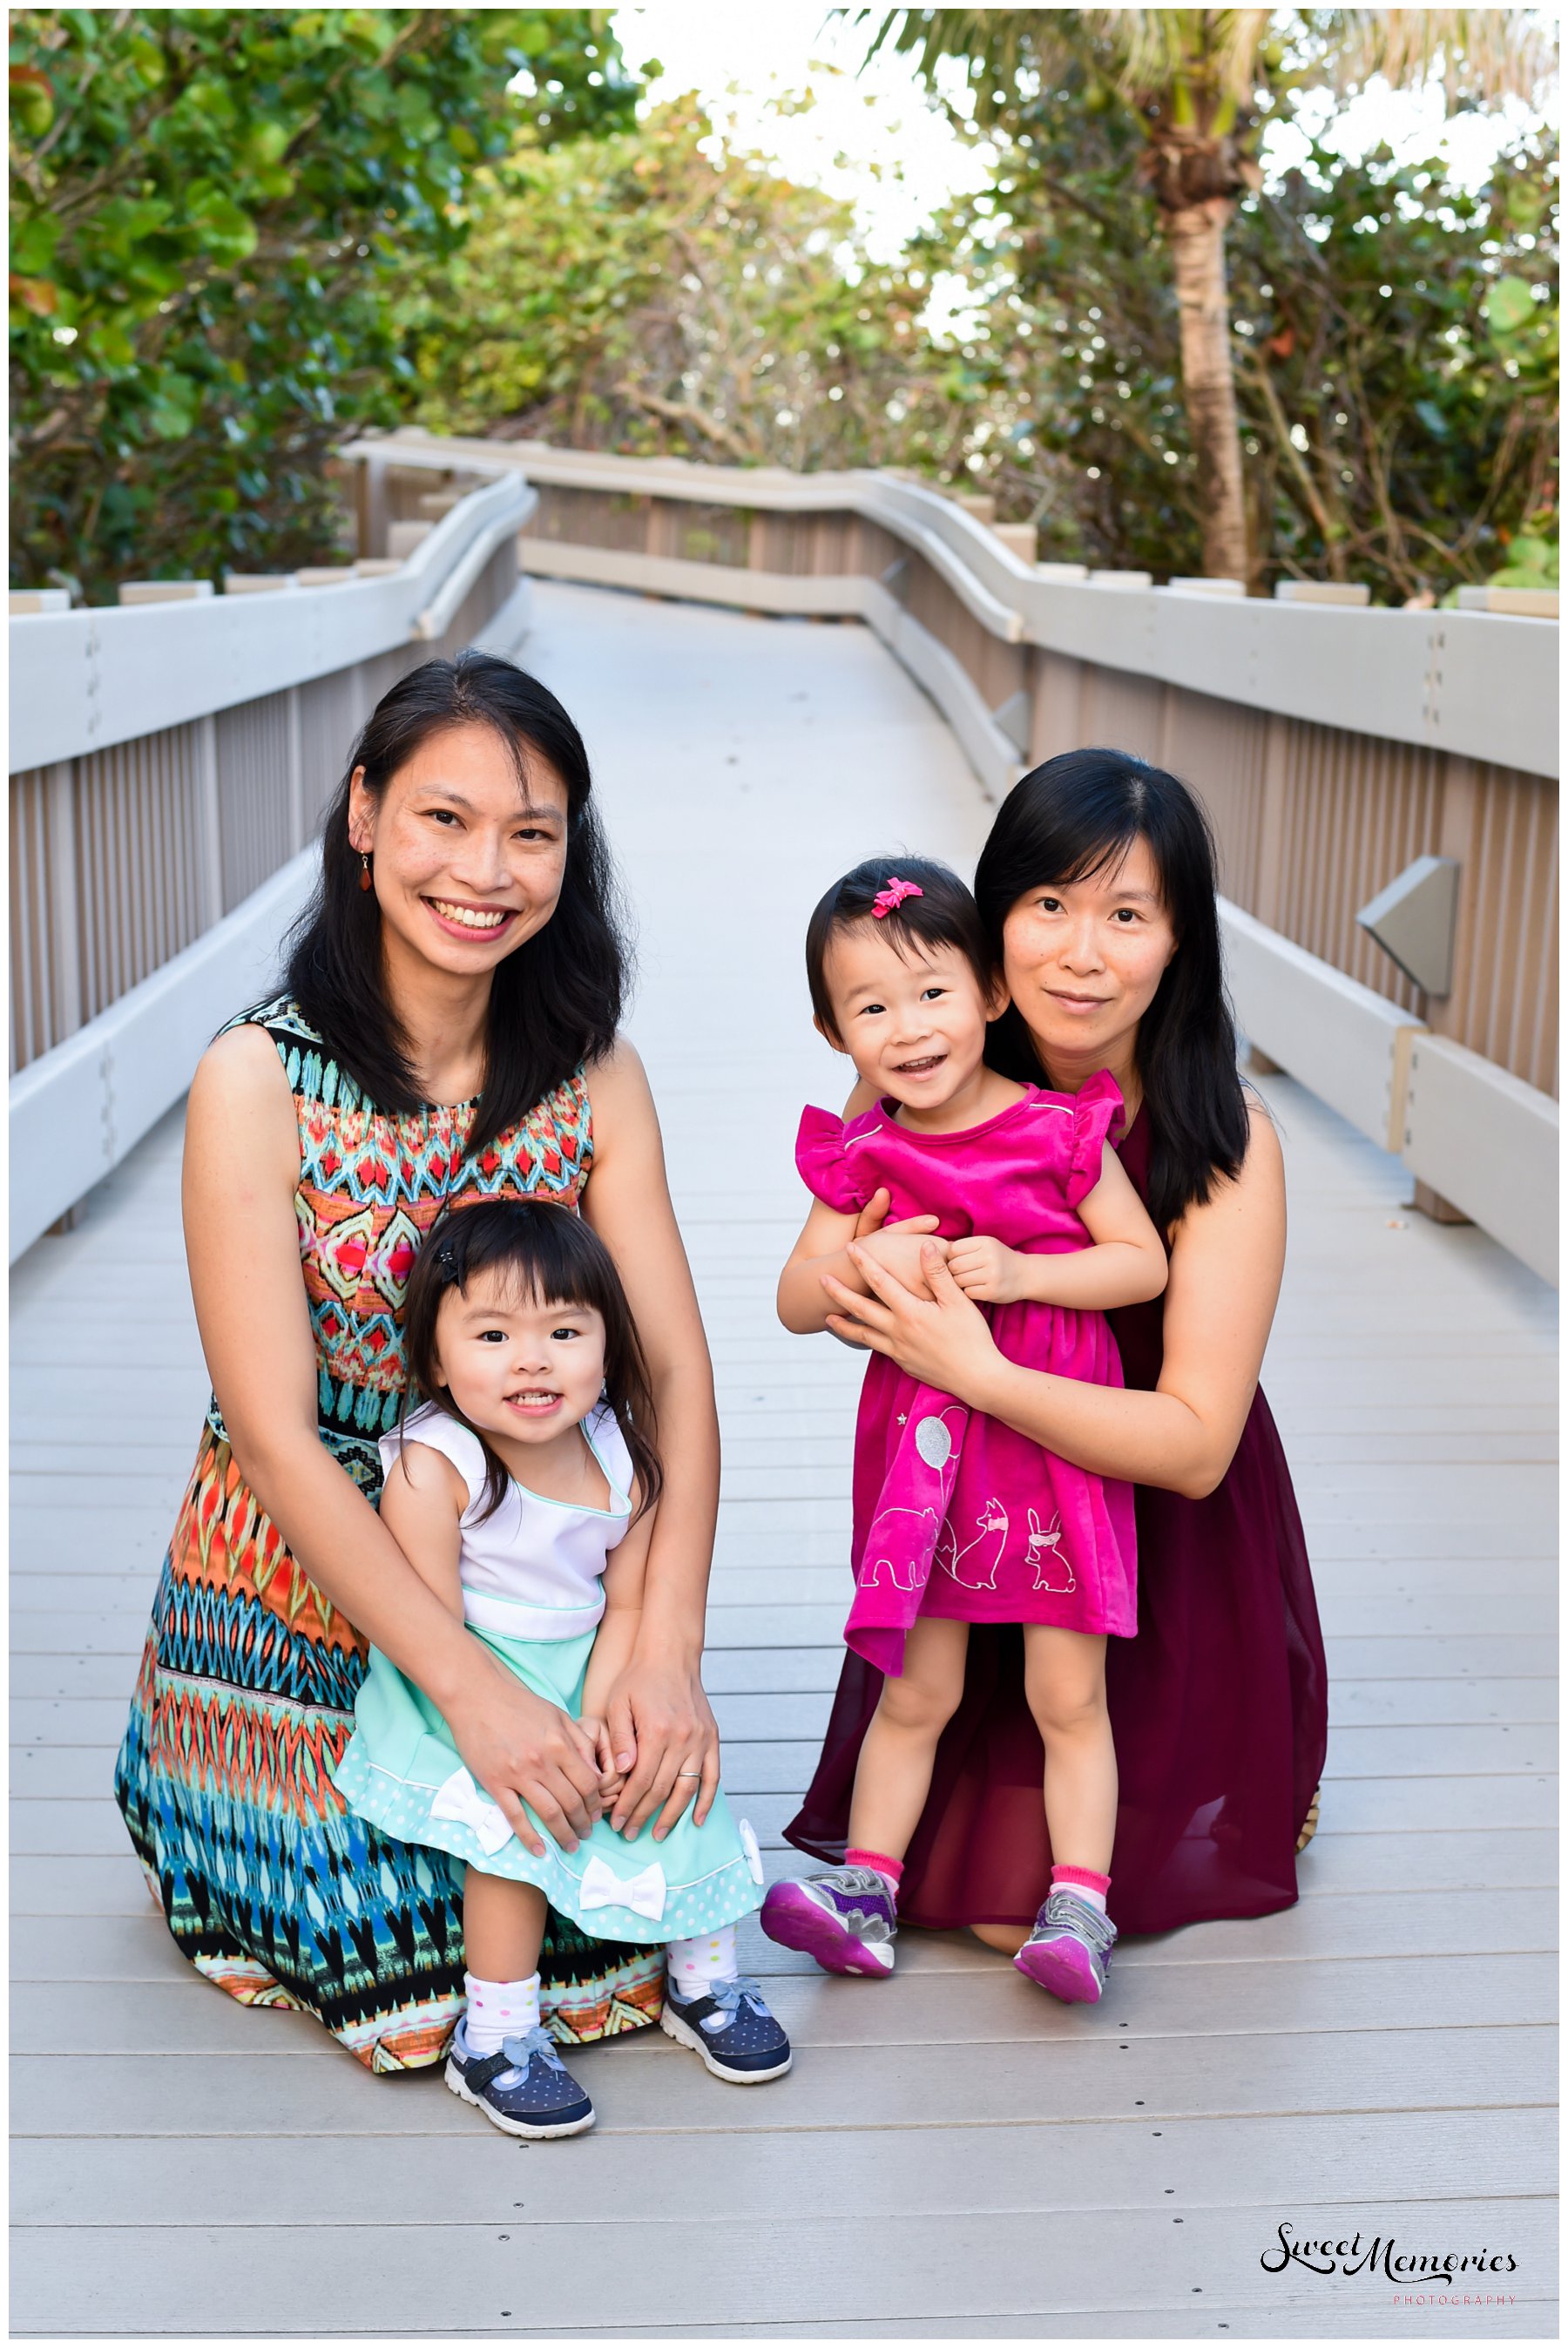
(940, 1336)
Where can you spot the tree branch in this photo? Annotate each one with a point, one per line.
(684, 411)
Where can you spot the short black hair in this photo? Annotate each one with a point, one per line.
(944, 914)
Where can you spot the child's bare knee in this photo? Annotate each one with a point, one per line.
(1067, 1711)
(927, 1697)
(1066, 1692)
(910, 1703)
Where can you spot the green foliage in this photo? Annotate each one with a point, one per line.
(638, 294)
(1408, 335)
(1403, 434)
(1395, 340)
(206, 205)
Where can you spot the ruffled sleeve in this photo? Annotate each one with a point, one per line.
(826, 1167)
(1094, 1110)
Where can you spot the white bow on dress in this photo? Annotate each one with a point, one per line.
(460, 1799)
(643, 1894)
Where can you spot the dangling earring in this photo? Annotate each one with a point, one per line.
(364, 880)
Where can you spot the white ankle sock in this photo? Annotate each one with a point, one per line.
(499, 2010)
(709, 1957)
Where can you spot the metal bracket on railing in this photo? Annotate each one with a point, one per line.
(1015, 716)
(1414, 920)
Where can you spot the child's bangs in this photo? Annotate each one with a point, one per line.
(910, 941)
(535, 1263)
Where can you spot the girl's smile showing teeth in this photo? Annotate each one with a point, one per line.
(477, 920)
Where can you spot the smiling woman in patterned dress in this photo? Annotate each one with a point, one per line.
(447, 1032)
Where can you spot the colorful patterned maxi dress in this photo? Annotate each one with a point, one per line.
(271, 1886)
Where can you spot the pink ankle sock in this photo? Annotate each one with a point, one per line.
(893, 1868)
(1084, 1881)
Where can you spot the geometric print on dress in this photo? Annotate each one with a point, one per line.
(208, 1633)
(224, 1537)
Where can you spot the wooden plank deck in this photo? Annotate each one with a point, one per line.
(954, 2155)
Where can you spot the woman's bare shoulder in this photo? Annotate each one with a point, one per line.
(1252, 1201)
(1265, 1160)
(240, 1087)
(619, 1098)
(617, 1071)
(241, 1065)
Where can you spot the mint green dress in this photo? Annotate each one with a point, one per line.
(532, 1580)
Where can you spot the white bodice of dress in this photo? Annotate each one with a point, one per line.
(535, 1568)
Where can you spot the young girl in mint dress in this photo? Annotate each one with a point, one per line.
(523, 1492)
(958, 1518)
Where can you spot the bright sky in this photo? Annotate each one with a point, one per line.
(873, 138)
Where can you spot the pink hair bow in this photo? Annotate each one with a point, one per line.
(890, 899)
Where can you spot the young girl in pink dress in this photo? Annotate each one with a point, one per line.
(958, 1518)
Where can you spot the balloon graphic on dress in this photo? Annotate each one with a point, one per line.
(934, 1438)
(909, 1534)
(1044, 1553)
(991, 1540)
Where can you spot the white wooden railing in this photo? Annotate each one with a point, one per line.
(1332, 745)
(169, 765)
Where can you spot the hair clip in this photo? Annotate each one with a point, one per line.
(446, 1263)
(889, 899)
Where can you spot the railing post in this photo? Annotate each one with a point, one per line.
(65, 974)
(1271, 827)
(1058, 696)
(212, 822)
(296, 772)
(370, 514)
(1444, 1013)
(1456, 838)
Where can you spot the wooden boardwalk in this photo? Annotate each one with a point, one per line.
(954, 2154)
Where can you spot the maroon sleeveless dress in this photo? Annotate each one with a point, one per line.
(1219, 1707)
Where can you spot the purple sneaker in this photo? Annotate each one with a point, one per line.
(845, 1919)
(1069, 1951)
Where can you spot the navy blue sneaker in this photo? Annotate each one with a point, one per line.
(729, 2025)
(526, 2089)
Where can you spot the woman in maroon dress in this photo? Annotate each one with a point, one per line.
(1097, 886)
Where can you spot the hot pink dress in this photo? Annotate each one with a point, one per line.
(956, 1514)
(1219, 1707)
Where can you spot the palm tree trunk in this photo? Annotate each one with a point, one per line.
(1196, 234)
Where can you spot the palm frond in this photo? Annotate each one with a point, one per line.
(1480, 55)
(1159, 45)
(998, 45)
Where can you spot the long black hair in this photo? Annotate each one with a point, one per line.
(553, 1257)
(1077, 815)
(555, 1001)
(939, 912)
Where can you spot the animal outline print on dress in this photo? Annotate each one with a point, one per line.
(993, 1518)
(1044, 1546)
(873, 1564)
